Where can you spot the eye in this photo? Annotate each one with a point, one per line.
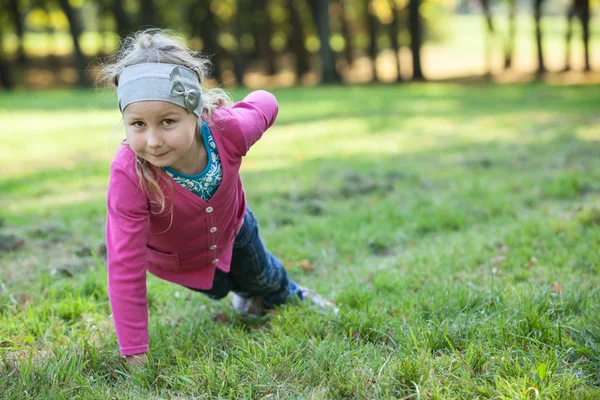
(168, 122)
(137, 124)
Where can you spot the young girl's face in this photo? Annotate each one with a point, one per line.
(162, 133)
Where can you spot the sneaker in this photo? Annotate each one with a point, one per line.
(248, 305)
(318, 300)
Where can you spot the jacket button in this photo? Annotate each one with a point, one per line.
(216, 260)
(214, 246)
(213, 229)
(209, 209)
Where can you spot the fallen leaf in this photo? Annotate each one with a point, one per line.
(355, 335)
(306, 265)
(221, 318)
(502, 248)
(557, 287)
(369, 278)
(533, 261)
(498, 260)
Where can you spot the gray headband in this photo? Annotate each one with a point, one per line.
(163, 82)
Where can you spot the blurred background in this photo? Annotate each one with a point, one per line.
(57, 43)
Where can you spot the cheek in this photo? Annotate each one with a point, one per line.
(136, 142)
(182, 139)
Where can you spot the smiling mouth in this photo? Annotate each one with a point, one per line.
(159, 155)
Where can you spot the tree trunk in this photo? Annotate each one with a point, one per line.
(75, 29)
(52, 60)
(297, 41)
(121, 19)
(372, 25)
(509, 47)
(208, 33)
(263, 31)
(416, 38)
(584, 17)
(329, 74)
(5, 77)
(239, 65)
(569, 35)
(538, 36)
(148, 16)
(489, 40)
(17, 18)
(347, 32)
(394, 30)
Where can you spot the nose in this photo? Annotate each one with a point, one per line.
(154, 139)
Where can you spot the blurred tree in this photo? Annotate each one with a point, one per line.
(584, 16)
(371, 22)
(122, 20)
(394, 32)
(416, 38)
(239, 61)
(537, 12)
(509, 44)
(203, 23)
(297, 38)
(52, 60)
(489, 40)
(5, 76)
(148, 15)
(16, 11)
(320, 12)
(347, 32)
(581, 9)
(76, 30)
(263, 32)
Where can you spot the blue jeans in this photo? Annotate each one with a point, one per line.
(254, 271)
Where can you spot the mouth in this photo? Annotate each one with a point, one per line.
(159, 155)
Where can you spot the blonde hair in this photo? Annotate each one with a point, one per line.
(160, 46)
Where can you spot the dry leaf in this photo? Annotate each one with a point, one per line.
(355, 335)
(533, 261)
(306, 265)
(369, 278)
(557, 287)
(221, 318)
(498, 260)
(502, 248)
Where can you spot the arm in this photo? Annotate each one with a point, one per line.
(254, 115)
(126, 231)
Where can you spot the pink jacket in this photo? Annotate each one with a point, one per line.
(201, 234)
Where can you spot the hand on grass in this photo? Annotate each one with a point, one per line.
(137, 360)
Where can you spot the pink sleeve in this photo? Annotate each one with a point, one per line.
(126, 232)
(254, 115)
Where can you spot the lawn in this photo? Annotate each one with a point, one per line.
(457, 228)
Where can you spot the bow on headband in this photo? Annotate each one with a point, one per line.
(191, 96)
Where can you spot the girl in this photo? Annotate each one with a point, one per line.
(176, 206)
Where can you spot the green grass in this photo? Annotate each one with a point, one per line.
(457, 227)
